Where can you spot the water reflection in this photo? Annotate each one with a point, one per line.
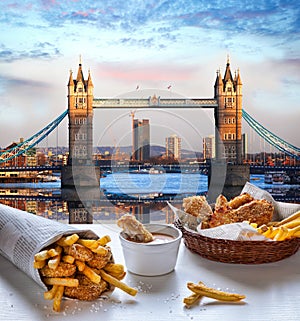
(94, 205)
(84, 206)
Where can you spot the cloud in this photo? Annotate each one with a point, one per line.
(12, 84)
(144, 72)
(40, 50)
(156, 24)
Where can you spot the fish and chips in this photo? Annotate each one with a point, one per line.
(81, 269)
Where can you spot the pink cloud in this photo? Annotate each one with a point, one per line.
(87, 12)
(81, 13)
(49, 3)
(144, 72)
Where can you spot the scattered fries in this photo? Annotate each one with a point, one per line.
(192, 299)
(283, 230)
(200, 290)
(118, 283)
(57, 264)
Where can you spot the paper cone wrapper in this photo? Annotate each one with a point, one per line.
(23, 234)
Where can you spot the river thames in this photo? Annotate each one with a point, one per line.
(141, 194)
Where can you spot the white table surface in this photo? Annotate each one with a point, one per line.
(272, 292)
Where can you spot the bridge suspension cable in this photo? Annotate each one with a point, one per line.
(29, 143)
(268, 136)
(271, 138)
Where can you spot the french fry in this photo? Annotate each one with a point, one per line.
(53, 262)
(263, 228)
(49, 295)
(192, 299)
(68, 259)
(274, 232)
(296, 234)
(94, 246)
(41, 256)
(115, 270)
(91, 274)
(295, 231)
(281, 234)
(68, 240)
(53, 256)
(57, 298)
(100, 250)
(39, 264)
(61, 281)
(272, 223)
(289, 219)
(104, 240)
(54, 252)
(214, 293)
(124, 287)
(90, 244)
(292, 224)
(80, 265)
(268, 232)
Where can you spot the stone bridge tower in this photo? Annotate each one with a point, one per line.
(80, 169)
(80, 106)
(228, 116)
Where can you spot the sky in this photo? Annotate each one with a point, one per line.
(151, 44)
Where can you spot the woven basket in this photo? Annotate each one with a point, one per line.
(243, 252)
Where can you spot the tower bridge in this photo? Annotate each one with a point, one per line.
(226, 104)
(228, 113)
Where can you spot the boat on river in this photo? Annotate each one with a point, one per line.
(276, 178)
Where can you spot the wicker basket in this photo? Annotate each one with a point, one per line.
(243, 252)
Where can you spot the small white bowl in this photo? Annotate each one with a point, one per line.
(152, 259)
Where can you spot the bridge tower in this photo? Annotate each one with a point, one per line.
(80, 169)
(228, 116)
(80, 106)
(228, 174)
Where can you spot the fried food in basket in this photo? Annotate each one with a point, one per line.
(198, 207)
(134, 230)
(240, 200)
(241, 208)
(254, 211)
(79, 269)
(200, 290)
(283, 230)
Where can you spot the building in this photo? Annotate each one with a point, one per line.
(173, 147)
(209, 149)
(80, 106)
(244, 145)
(80, 169)
(228, 116)
(28, 158)
(141, 139)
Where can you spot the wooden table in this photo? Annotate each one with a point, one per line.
(272, 292)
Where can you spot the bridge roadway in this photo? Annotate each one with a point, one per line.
(30, 168)
(151, 102)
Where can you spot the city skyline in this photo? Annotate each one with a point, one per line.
(145, 48)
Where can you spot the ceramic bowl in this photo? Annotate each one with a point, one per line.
(154, 258)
